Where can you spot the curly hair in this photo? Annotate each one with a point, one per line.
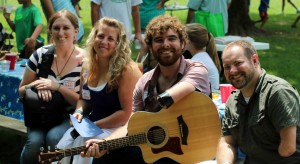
(118, 60)
(161, 24)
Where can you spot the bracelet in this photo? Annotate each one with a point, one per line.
(58, 87)
(78, 111)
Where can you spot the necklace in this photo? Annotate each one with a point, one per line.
(58, 73)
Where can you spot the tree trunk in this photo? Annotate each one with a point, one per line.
(240, 22)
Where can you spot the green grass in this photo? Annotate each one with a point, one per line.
(282, 59)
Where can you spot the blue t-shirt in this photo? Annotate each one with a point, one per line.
(67, 4)
(263, 5)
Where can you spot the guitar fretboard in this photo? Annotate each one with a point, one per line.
(109, 145)
(123, 142)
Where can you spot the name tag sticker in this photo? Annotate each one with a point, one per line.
(69, 84)
(86, 94)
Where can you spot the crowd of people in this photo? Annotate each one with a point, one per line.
(102, 82)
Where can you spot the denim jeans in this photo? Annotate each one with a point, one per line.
(37, 138)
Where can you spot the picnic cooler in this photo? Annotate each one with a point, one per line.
(212, 21)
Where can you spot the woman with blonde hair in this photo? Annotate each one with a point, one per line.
(201, 45)
(108, 78)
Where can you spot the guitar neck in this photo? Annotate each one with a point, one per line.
(110, 144)
(123, 142)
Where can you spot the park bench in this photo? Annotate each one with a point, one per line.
(12, 125)
(15, 131)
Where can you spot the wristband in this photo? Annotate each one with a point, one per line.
(165, 99)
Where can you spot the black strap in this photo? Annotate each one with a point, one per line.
(47, 59)
(149, 95)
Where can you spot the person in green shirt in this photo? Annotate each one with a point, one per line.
(213, 6)
(28, 26)
(150, 9)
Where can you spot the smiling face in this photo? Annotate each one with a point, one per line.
(239, 70)
(105, 41)
(63, 32)
(166, 47)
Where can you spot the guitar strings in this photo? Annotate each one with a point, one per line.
(155, 135)
(159, 135)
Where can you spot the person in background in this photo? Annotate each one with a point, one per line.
(122, 11)
(201, 44)
(52, 6)
(213, 6)
(290, 2)
(75, 3)
(172, 79)
(294, 25)
(107, 81)
(64, 77)
(28, 26)
(150, 9)
(262, 117)
(263, 12)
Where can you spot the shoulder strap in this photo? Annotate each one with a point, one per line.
(47, 59)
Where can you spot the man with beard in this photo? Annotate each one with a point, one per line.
(173, 78)
(262, 117)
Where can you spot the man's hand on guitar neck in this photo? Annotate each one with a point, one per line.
(93, 149)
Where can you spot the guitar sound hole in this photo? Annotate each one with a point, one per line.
(156, 135)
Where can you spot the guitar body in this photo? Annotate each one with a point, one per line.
(187, 132)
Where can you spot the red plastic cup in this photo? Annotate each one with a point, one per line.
(12, 58)
(225, 91)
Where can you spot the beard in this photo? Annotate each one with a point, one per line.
(167, 59)
(242, 78)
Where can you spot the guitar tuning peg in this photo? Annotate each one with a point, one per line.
(41, 148)
(49, 148)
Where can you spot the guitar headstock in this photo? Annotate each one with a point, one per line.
(48, 157)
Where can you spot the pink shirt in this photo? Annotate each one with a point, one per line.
(145, 93)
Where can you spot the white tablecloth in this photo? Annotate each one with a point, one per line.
(257, 46)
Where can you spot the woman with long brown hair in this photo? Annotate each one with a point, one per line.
(201, 45)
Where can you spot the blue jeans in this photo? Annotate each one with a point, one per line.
(37, 138)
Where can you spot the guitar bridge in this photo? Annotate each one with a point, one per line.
(184, 131)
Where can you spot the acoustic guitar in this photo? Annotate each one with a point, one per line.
(187, 132)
